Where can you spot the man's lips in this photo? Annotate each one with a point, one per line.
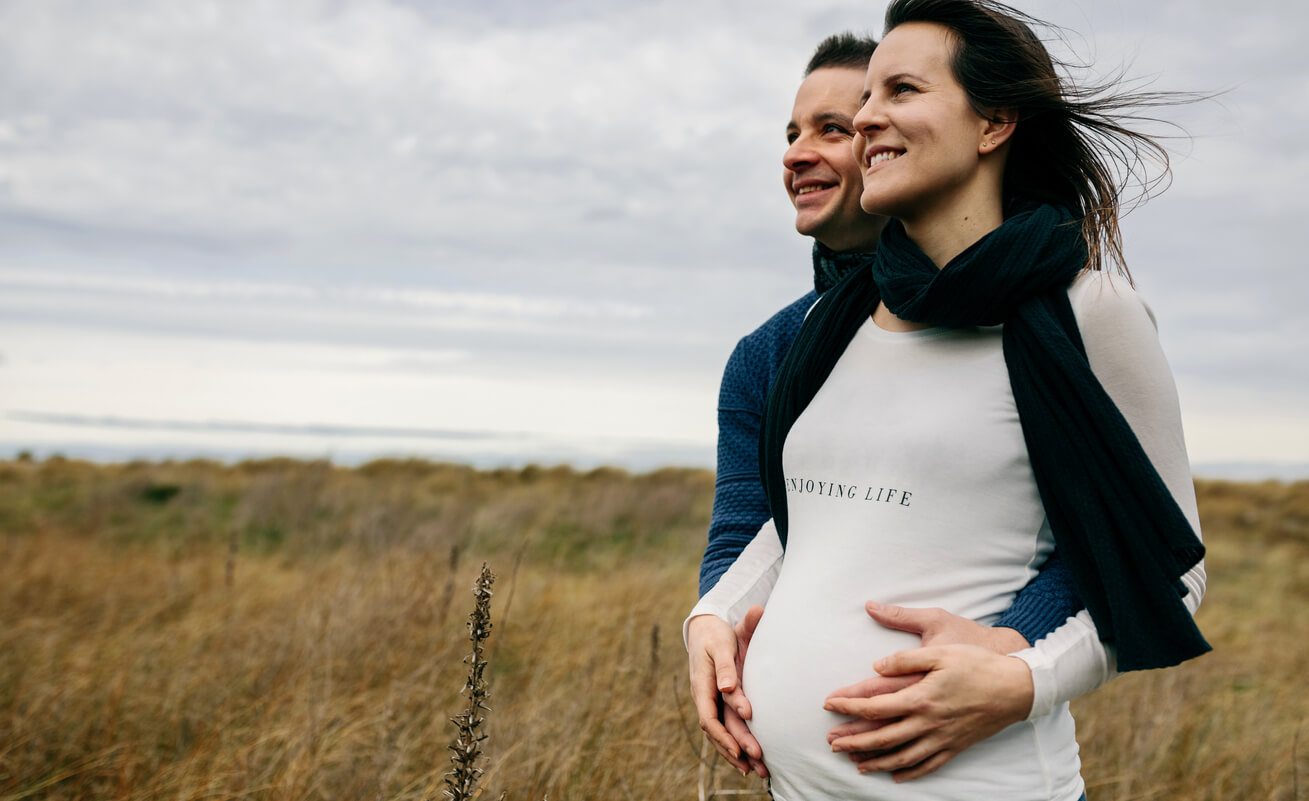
(811, 188)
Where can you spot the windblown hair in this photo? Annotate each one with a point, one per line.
(844, 49)
(1072, 144)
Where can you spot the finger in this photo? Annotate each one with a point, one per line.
(877, 685)
(861, 756)
(723, 741)
(726, 746)
(886, 739)
(713, 653)
(854, 727)
(736, 727)
(914, 660)
(725, 676)
(902, 618)
(930, 765)
(710, 723)
(745, 632)
(705, 696)
(882, 707)
(742, 766)
(738, 702)
(751, 622)
(907, 758)
(750, 748)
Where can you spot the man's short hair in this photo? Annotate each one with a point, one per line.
(842, 50)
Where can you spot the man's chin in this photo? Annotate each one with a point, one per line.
(810, 224)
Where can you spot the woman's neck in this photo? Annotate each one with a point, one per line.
(948, 229)
(941, 236)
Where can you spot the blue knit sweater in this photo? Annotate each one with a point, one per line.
(740, 506)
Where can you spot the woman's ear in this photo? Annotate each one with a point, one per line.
(997, 131)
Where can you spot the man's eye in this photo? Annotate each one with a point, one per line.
(832, 127)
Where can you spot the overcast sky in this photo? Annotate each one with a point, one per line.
(515, 230)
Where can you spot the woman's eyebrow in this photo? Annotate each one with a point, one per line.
(901, 76)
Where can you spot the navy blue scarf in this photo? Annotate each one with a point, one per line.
(830, 266)
(1123, 537)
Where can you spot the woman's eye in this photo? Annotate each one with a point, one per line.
(902, 88)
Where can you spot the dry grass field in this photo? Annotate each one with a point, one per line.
(289, 630)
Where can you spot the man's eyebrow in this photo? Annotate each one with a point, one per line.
(834, 116)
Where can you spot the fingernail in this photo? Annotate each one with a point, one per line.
(744, 772)
(879, 665)
(873, 605)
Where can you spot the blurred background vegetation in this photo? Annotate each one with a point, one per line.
(295, 630)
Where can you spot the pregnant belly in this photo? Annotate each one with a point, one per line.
(799, 654)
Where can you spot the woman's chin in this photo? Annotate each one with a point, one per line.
(879, 206)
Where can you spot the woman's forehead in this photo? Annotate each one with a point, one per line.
(914, 47)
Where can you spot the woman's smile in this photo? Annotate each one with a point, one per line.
(876, 155)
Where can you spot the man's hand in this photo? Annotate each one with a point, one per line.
(966, 694)
(936, 627)
(716, 654)
(939, 627)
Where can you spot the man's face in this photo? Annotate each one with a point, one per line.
(820, 170)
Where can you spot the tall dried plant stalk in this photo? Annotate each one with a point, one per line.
(461, 783)
(231, 557)
(448, 595)
(652, 680)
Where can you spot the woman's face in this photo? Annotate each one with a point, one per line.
(918, 141)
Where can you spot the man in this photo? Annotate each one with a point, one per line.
(824, 182)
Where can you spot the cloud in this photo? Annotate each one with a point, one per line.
(586, 190)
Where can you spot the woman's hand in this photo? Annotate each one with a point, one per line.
(955, 712)
(717, 653)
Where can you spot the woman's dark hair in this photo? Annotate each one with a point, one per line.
(1070, 145)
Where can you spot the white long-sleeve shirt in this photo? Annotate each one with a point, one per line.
(908, 483)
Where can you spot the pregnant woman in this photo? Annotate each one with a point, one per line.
(986, 390)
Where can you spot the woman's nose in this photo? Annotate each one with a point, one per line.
(869, 117)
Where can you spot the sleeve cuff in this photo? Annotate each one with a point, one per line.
(1043, 682)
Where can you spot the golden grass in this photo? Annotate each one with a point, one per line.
(329, 669)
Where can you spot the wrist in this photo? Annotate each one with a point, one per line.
(1006, 641)
(1020, 689)
(703, 628)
